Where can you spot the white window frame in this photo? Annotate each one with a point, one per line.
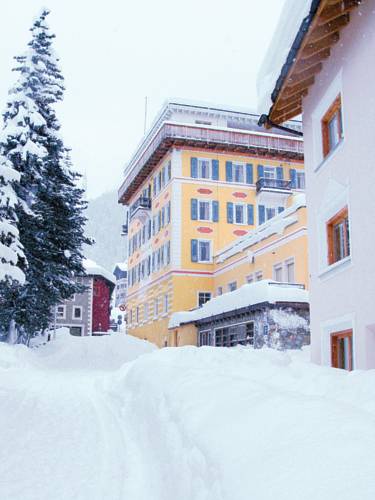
(232, 283)
(289, 261)
(210, 250)
(145, 312)
(219, 291)
(209, 210)
(63, 316)
(258, 275)
(300, 173)
(278, 267)
(243, 205)
(269, 169)
(250, 278)
(81, 312)
(206, 292)
(242, 166)
(199, 163)
(166, 303)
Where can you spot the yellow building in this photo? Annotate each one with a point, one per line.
(201, 181)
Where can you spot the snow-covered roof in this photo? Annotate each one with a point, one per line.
(276, 225)
(245, 296)
(123, 266)
(292, 15)
(92, 268)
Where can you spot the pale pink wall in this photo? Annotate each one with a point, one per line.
(347, 295)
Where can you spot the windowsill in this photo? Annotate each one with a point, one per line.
(336, 268)
(203, 262)
(330, 155)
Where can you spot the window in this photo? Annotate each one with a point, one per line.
(270, 212)
(77, 312)
(76, 331)
(60, 312)
(269, 172)
(289, 267)
(300, 180)
(250, 278)
(232, 286)
(203, 297)
(332, 131)
(278, 272)
(166, 303)
(239, 213)
(338, 237)
(204, 210)
(238, 172)
(205, 337)
(219, 290)
(204, 168)
(258, 276)
(145, 312)
(342, 350)
(137, 315)
(200, 250)
(156, 307)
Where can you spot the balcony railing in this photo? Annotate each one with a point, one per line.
(141, 203)
(273, 184)
(238, 140)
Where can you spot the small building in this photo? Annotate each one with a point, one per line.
(88, 313)
(265, 313)
(320, 64)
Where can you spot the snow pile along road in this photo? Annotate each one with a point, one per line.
(239, 424)
(187, 424)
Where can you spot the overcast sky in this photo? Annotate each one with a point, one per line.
(113, 53)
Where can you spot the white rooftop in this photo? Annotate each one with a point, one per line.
(93, 269)
(245, 296)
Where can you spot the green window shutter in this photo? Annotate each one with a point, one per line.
(215, 211)
(229, 171)
(260, 172)
(261, 214)
(230, 212)
(194, 250)
(194, 167)
(250, 215)
(194, 209)
(215, 170)
(249, 174)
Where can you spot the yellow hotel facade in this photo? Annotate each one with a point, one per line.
(202, 182)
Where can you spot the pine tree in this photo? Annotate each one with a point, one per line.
(51, 220)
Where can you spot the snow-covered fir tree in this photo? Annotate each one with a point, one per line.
(50, 216)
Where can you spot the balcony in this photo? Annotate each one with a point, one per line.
(265, 184)
(140, 209)
(171, 134)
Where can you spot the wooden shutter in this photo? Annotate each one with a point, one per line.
(230, 212)
(215, 211)
(250, 215)
(215, 170)
(194, 250)
(260, 172)
(249, 174)
(279, 173)
(261, 214)
(228, 171)
(194, 167)
(194, 209)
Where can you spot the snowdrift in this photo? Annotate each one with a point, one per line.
(239, 424)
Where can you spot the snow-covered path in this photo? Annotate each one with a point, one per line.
(188, 424)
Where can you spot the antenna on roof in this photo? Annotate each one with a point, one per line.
(145, 124)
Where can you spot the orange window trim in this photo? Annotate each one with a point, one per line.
(335, 337)
(333, 109)
(336, 219)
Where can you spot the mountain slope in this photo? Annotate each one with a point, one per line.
(105, 218)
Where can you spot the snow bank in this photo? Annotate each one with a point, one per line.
(293, 13)
(240, 424)
(245, 296)
(107, 352)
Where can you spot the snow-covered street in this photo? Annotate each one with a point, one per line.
(208, 423)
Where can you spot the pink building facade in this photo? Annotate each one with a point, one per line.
(339, 142)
